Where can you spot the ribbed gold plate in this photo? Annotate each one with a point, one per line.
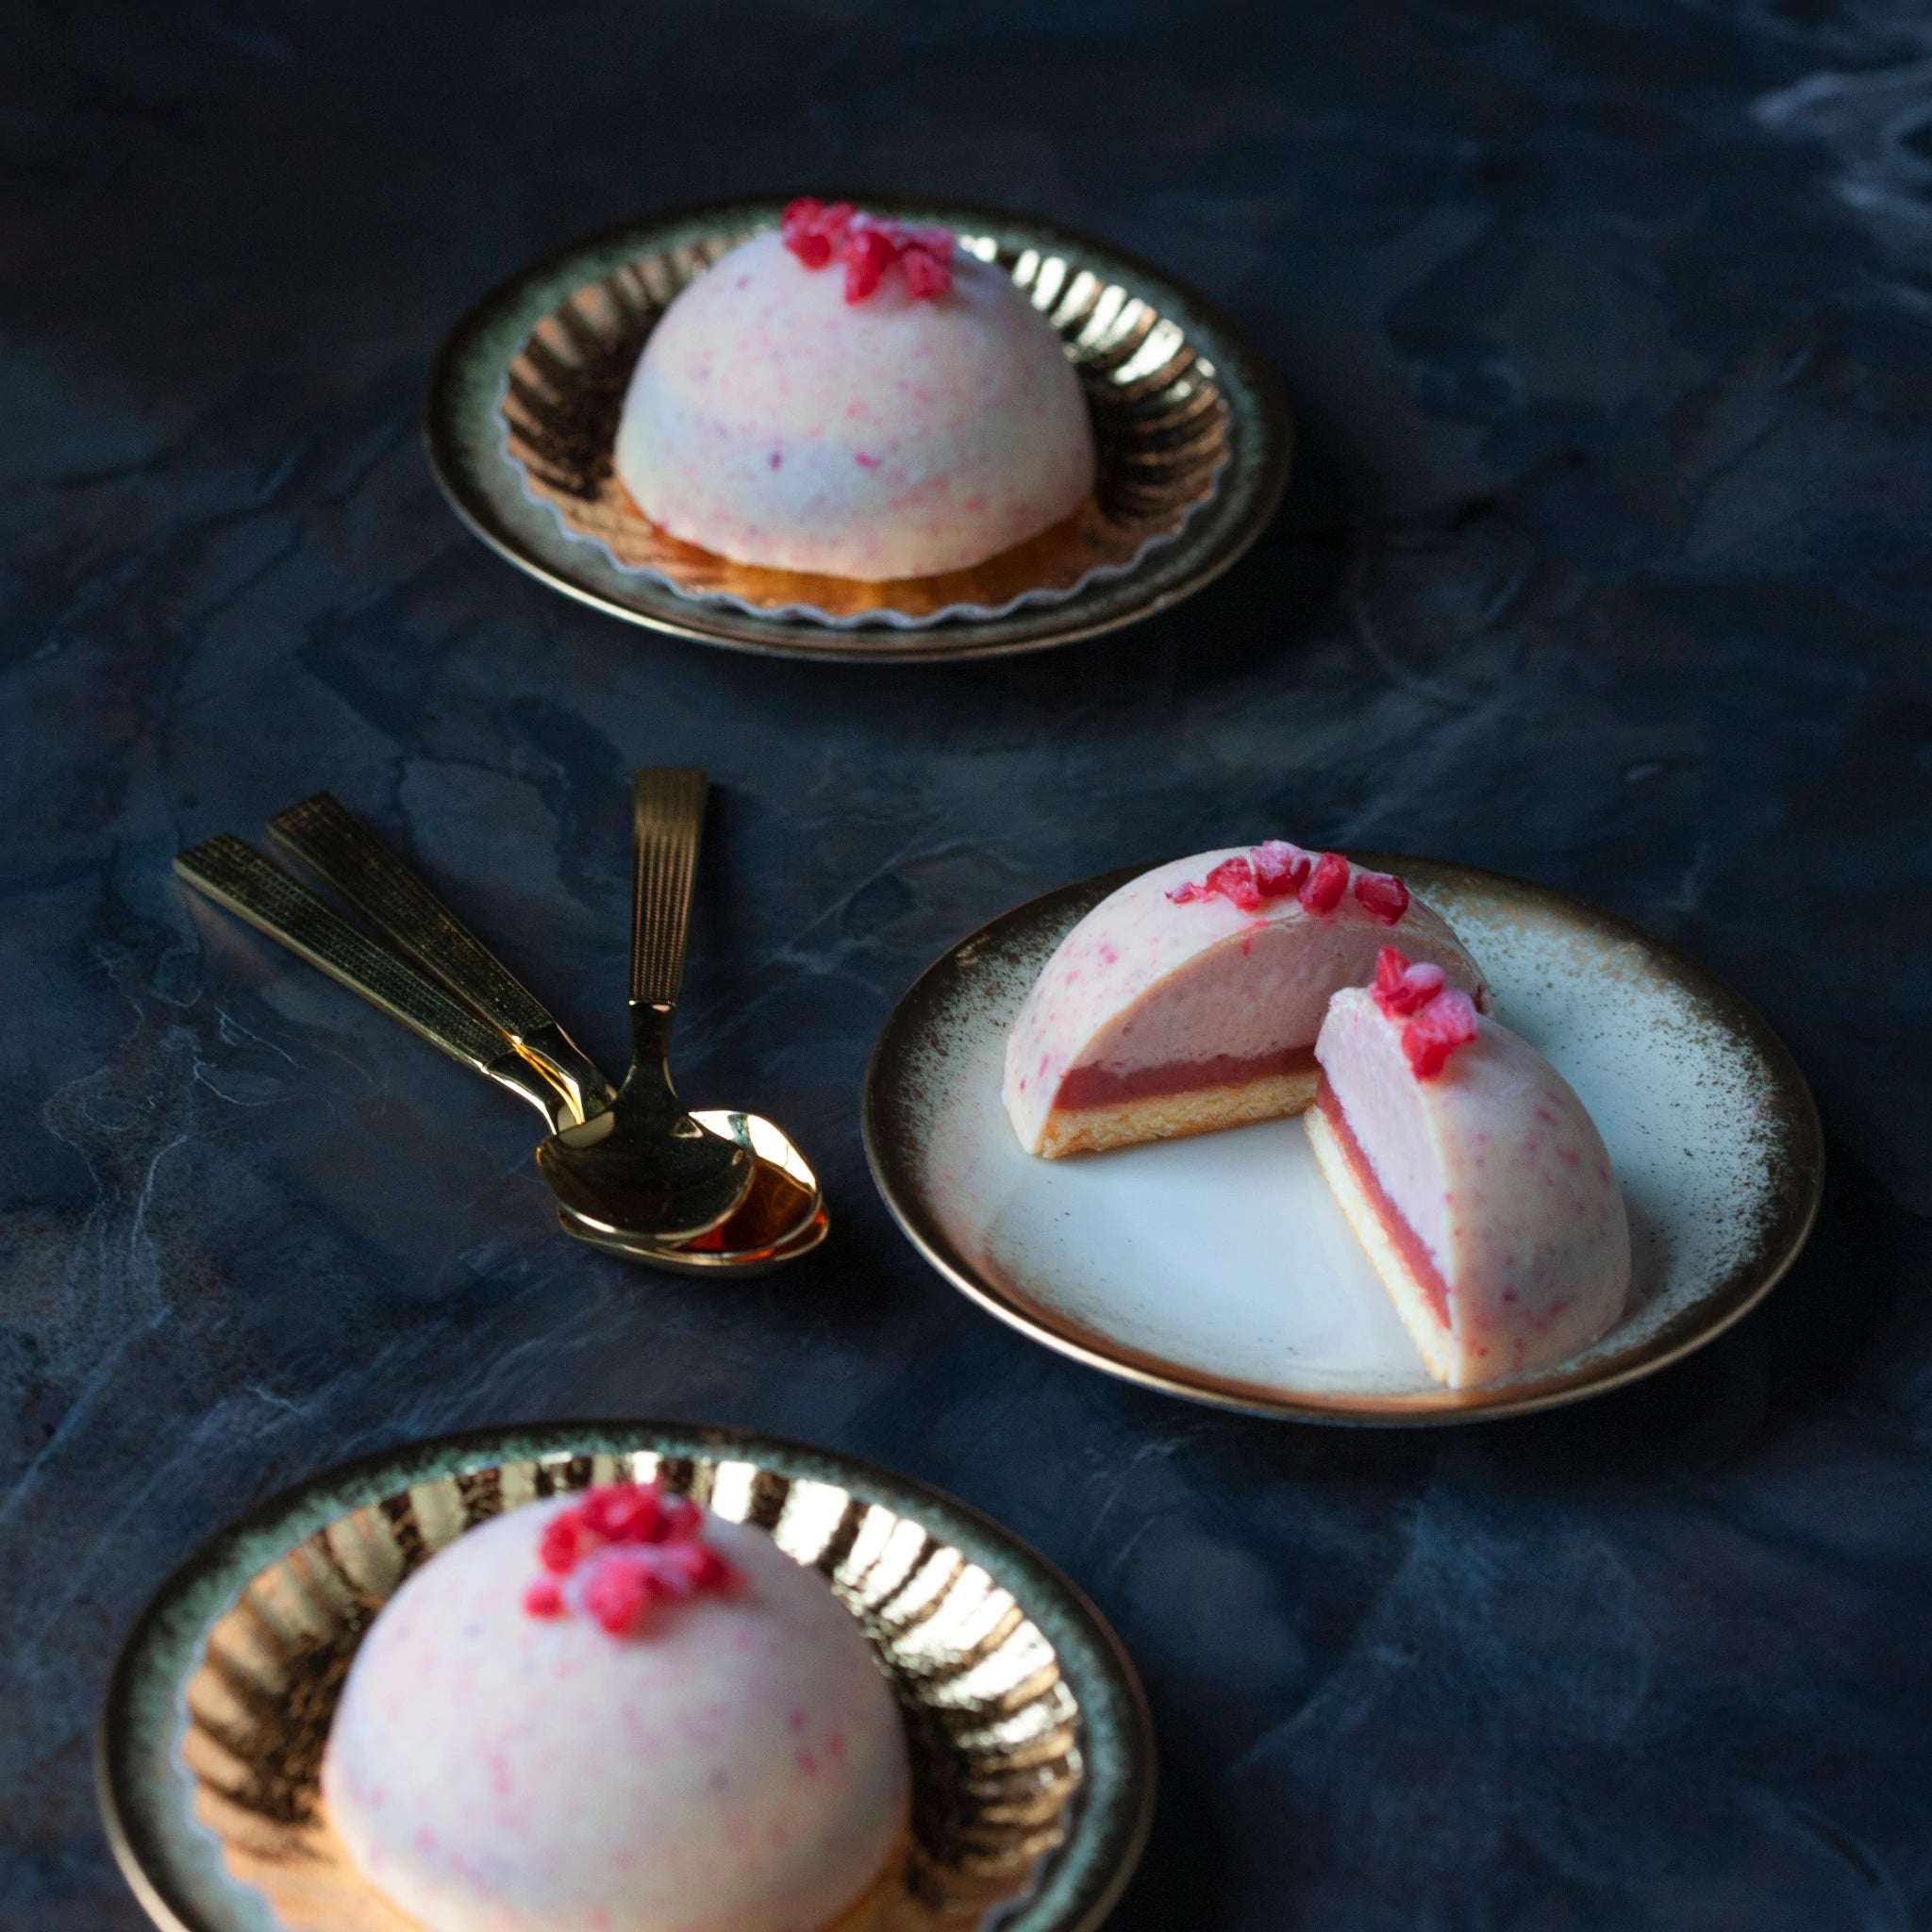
(1191, 436)
(1161, 430)
(1032, 1762)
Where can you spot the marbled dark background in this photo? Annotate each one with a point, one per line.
(1609, 327)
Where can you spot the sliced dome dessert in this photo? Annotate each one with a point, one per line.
(1476, 1183)
(852, 397)
(1190, 999)
(619, 1713)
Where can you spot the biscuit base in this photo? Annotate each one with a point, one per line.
(1177, 1116)
(316, 1884)
(1434, 1342)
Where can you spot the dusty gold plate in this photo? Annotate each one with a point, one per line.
(1221, 1267)
(1031, 1751)
(1192, 439)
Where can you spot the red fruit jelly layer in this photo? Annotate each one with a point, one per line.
(1108, 1087)
(1407, 1242)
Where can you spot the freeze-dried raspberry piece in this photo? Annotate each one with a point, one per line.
(1382, 895)
(638, 1547)
(927, 275)
(1237, 880)
(685, 1568)
(819, 235)
(868, 255)
(799, 228)
(542, 1599)
(624, 1513)
(712, 1572)
(1446, 1023)
(1234, 880)
(814, 232)
(1322, 890)
(1390, 968)
(683, 1519)
(1280, 868)
(622, 1590)
(1401, 989)
(567, 1540)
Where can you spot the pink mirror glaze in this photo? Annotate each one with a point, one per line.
(733, 1759)
(1190, 999)
(1473, 1178)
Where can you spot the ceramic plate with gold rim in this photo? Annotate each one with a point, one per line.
(1221, 1267)
(1033, 1766)
(1194, 442)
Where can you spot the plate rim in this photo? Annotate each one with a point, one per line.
(1050, 626)
(1117, 1800)
(1707, 1319)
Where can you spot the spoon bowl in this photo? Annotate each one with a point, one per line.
(695, 1261)
(783, 1216)
(643, 1169)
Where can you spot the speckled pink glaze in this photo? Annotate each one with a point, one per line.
(774, 423)
(1143, 983)
(1501, 1178)
(739, 1768)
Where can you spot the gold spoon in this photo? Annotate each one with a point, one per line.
(244, 883)
(642, 1169)
(780, 1217)
(333, 845)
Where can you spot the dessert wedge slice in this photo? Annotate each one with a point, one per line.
(1476, 1183)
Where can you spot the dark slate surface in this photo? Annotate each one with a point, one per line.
(1608, 323)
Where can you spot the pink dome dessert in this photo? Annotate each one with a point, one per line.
(1477, 1185)
(1189, 1000)
(851, 398)
(618, 1713)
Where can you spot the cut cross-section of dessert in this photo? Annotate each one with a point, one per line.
(1190, 999)
(1476, 1183)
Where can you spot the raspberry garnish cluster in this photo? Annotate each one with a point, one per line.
(820, 235)
(1437, 1017)
(623, 1553)
(1275, 869)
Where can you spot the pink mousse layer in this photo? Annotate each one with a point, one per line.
(773, 421)
(1143, 996)
(1492, 1175)
(736, 1763)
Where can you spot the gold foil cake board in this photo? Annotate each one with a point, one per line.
(1161, 423)
(991, 1727)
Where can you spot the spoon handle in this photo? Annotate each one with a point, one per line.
(336, 845)
(668, 813)
(241, 881)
